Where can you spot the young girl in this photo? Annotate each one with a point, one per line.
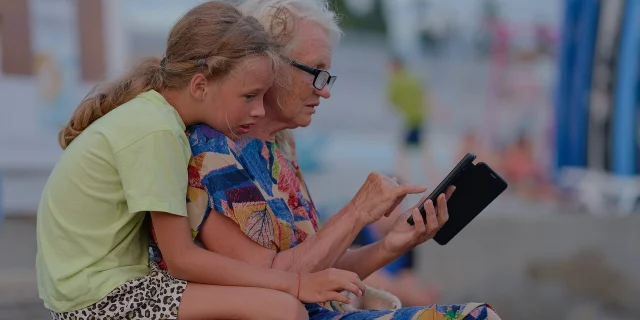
(126, 154)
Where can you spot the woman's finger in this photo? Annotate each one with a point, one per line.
(419, 224)
(405, 189)
(432, 220)
(443, 211)
(450, 191)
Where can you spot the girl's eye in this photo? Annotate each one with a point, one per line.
(249, 97)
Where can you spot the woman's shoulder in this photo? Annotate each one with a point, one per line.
(205, 139)
(247, 144)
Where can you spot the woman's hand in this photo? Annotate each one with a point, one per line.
(378, 196)
(403, 236)
(326, 285)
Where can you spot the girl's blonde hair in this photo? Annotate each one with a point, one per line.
(212, 38)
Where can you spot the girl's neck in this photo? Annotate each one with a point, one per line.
(181, 102)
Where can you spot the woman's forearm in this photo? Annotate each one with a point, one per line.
(368, 259)
(323, 249)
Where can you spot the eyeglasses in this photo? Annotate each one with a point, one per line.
(321, 78)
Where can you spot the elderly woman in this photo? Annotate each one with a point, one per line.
(248, 202)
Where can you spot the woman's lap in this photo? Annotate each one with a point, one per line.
(469, 311)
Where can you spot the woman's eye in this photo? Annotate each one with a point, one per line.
(249, 97)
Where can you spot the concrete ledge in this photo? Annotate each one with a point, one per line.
(17, 286)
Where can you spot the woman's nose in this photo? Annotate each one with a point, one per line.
(324, 92)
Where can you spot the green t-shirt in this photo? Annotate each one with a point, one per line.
(407, 96)
(91, 232)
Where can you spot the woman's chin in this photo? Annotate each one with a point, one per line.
(303, 121)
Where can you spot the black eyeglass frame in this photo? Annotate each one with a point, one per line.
(330, 80)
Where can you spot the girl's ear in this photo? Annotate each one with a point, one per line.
(198, 86)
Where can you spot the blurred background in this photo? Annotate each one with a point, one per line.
(546, 92)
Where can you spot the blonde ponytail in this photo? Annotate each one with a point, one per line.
(106, 97)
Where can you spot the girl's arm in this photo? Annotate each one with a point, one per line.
(185, 260)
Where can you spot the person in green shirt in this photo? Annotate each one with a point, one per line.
(407, 96)
(125, 164)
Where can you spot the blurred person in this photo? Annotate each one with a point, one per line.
(406, 95)
(471, 143)
(497, 44)
(468, 144)
(522, 170)
(544, 39)
(489, 12)
(247, 201)
(126, 154)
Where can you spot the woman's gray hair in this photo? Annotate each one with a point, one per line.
(279, 17)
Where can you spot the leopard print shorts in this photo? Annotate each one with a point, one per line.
(154, 297)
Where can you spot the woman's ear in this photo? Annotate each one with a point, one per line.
(198, 86)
